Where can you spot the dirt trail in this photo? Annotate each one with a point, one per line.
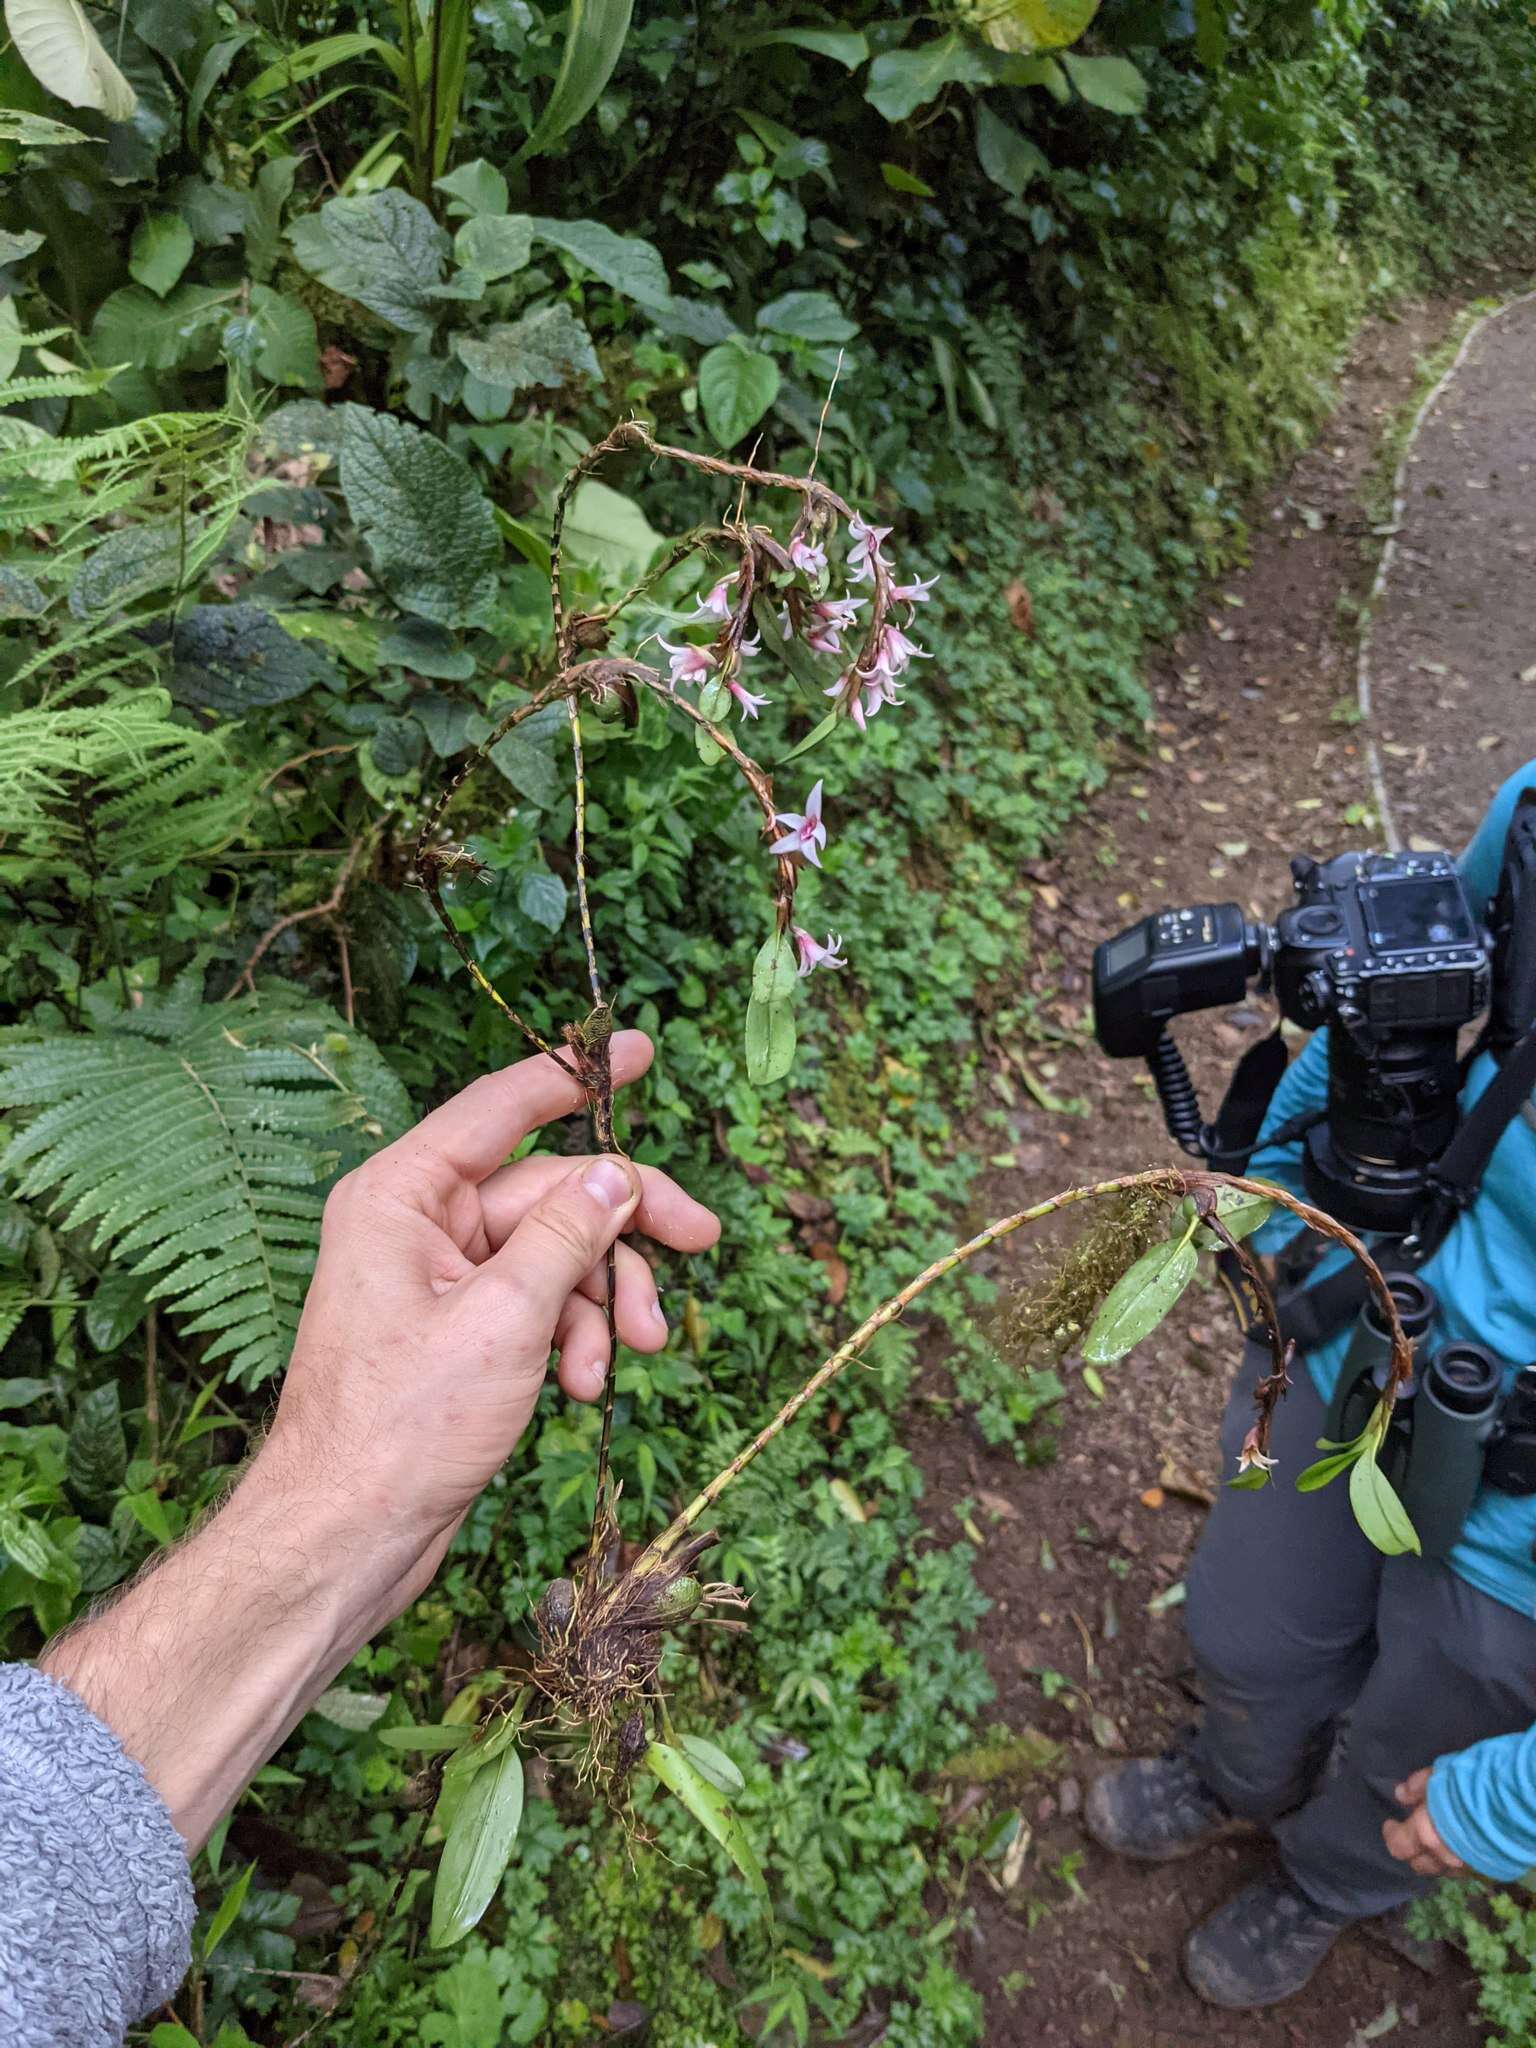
(1255, 755)
(1452, 659)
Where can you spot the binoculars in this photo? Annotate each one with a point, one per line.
(1454, 1427)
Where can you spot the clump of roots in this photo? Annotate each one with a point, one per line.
(1047, 1314)
(601, 1636)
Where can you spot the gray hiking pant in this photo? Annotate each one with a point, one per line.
(1295, 1621)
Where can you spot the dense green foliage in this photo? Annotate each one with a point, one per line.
(297, 354)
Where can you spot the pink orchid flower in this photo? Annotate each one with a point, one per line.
(808, 557)
(688, 664)
(813, 955)
(750, 705)
(865, 555)
(1250, 1458)
(830, 618)
(806, 832)
(914, 593)
(714, 603)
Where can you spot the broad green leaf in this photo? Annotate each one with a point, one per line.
(1021, 26)
(1138, 1302)
(428, 650)
(736, 387)
(296, 67)
(541, 897)
(115, 1310)
(1212, 36)
(36, 131)
(148, 1510)
(171, 2034)
(21, 1393)
(1112, 83)
(383, 249)
(345, 1708)
(16, 248)
(161, 251)
(478, 1847)
(1327, 1469)
(776, 971)
(525, 758)
(899, 179)
(770, 1041)
(705, 1802)
(28, 1544)
(594, 37)
(475, 188)
(59, 47)
(229, 1911)
(135, 326)
(1378, 1509)
(714, 1764)
(1240, 1214)
(96, 1456)
(901, 81)
(427, 523)
(10, 342)
(605, 528)
(1009, 159)
(495, 244)
(542, 350)
(237, 658)
(810, 316)
(845, 46)
(429, 1737)
(532, 546)
(630, 265)
(287, 345)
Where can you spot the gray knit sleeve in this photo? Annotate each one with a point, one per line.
(95, 1893)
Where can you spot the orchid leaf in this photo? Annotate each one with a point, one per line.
(1378, 1510)
(1138, 1303)
(770, 1041)
(480, 1839)
(682, 1776)
(775, 970)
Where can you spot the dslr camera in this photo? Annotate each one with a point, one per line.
(1382, 948)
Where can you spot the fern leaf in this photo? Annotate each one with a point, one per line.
(116, 790)
(192, 1142)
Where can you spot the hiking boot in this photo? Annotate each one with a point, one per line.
(1156, 1809)
(1262, 1946)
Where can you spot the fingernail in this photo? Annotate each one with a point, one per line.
(607, 1182)
(658, 1318)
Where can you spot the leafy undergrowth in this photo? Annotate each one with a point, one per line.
(1060, 381)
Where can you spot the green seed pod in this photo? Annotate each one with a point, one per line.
(679, 1599)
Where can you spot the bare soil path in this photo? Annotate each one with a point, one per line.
(1254, 755)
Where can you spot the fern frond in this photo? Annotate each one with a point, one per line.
(76, 384)
(116, 790)
(193, 1141)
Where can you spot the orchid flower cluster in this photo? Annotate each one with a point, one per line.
(871, 673)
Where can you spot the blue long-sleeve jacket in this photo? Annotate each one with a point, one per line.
(1483, 1800)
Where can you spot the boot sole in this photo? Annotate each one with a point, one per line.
(1098, 1828)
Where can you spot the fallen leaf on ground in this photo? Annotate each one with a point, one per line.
(1153, 1497)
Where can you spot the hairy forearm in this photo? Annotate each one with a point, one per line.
(206, 1662)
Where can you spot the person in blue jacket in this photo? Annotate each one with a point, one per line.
(1296, 1622)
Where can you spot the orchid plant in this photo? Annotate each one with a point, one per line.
(594, 1698)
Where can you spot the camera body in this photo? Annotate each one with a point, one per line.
(1384, 950)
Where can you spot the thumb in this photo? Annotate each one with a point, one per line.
(559, 1241)
(1412, 1790)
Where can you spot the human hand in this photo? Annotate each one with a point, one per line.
(446, 1278)
(1416, 1840)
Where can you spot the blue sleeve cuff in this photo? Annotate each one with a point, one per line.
(1483, 1806)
